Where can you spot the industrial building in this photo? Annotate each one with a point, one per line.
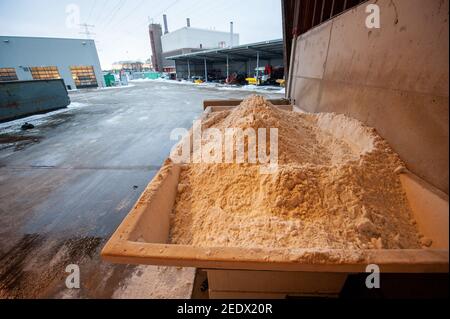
(34, 58)
(155, 33)
(130, 66)
(221, 63)
(184, 41)
(188, 37)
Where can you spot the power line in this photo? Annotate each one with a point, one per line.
(150, 18)
(107, 13)
(209, 7)
(92, 10)
(86, 29)
(195, 7)
(119, 6)
(128, 15)
(159, 13)
(101, 12)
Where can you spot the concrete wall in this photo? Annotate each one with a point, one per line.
(394, 78)
(188, 37)
(171, 63)
(23, 52)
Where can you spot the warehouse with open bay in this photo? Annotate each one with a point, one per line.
(33, 58)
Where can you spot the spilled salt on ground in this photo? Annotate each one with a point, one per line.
(335, 188)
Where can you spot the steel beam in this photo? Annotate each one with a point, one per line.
(257, 65)
(189, 69)
(206, 71)
(228, 67)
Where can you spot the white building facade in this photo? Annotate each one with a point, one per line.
(189, 37)
(33, 58)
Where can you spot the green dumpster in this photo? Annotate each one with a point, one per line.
(152, 75)
(109, 79)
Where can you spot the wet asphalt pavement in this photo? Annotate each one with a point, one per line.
(67, 184)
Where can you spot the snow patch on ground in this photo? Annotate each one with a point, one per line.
(157, 282)
(254, 88)
(15, 125)
(248, 88)
(117, 87)
(103, 88)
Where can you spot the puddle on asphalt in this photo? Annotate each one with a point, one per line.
(17, 139)
(18, 142)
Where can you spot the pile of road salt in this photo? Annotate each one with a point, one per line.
(335, 188)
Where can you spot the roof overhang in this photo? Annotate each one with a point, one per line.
(266, 50)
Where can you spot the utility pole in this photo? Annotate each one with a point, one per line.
(86, 29)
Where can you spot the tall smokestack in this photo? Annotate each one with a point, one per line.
(231, 33)
(188, 22)
(166, 28)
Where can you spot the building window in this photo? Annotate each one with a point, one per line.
(8, 74)
(45, 72)
(84, 76)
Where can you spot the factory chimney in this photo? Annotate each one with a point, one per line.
(166, 28)
(188, 22)
(231, 33)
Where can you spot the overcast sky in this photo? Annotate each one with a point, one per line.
(121, 25)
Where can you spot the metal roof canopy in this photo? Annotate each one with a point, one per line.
(267, 50)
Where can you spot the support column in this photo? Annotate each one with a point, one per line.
(228, 67)
(257, 65)
(206, 71)
(189, 69)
